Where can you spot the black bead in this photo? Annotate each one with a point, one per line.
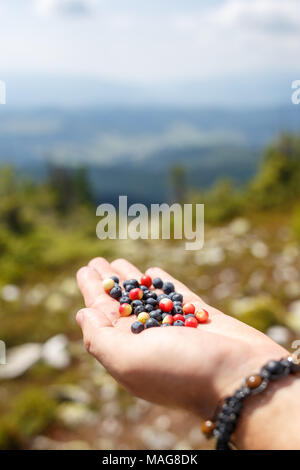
(275, 369)
(157, 283)
(227, 418)
(234, 405)
(293, 367)
(242, 393)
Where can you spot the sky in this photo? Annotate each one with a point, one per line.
(149, 42)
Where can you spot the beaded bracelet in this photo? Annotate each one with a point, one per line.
(227, 416)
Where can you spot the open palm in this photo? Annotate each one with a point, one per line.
(183, 367)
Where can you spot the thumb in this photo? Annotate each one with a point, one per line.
(100, 338)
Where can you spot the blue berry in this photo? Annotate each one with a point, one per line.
(176, 302)
(145, 294)
(177, 297)
(144, 288)
(116, 292)
(177, 309)
(134, 282)
(137, 327)
(151, 322)
(151, 301)
(155, 314)
(135, 303)
(125, 300)
(138, 309)
(162, 296)
(157, 283)
(178, 323)
(189, 315)
(129, 287)
(148, 308)
(115, 278)
(150, 295)
(166, 324)
(168, 287)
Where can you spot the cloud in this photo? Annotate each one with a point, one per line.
(64, 7)
(273, 16)
(265, 16)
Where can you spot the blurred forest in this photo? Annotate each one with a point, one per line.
(54, 396)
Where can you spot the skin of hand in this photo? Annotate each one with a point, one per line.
(190, 368)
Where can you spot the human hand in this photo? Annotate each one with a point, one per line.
(179, 367)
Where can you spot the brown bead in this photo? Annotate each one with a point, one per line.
(253, 381)
(207, 427)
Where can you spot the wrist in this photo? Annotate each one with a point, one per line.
(270, 420)
(229, 379)
(260, 403)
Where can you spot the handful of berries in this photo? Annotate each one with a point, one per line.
(152, 310)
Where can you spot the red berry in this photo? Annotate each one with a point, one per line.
(125, 310)
(178, 317)
(166, 305)
(136, 294)
(168, 319)
(191, 322)
(146, 281)
(188, 308)
(202, 316)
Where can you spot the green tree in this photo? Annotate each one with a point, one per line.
(278, 180)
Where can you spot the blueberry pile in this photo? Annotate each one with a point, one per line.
(152, 310)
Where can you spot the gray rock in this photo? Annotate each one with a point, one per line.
(19, 359)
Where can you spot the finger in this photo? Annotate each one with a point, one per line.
(103, 268)
(90, 285)
(188, 295)
(100, 338)
(101, 320)
(126, 270)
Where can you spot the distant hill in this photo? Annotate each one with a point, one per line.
(130, 150)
